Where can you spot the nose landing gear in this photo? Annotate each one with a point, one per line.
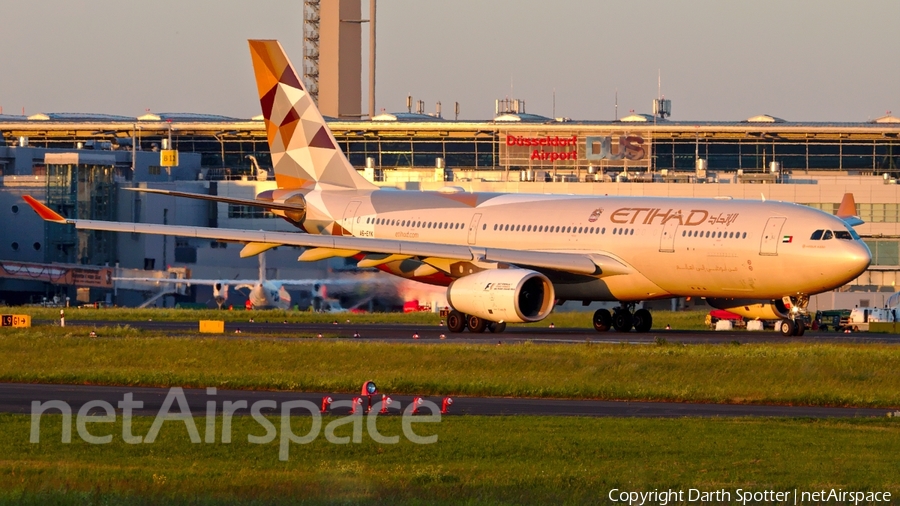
(798, 316)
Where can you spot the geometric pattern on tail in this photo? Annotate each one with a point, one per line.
(304, 152)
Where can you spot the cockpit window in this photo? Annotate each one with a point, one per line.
(843, 234)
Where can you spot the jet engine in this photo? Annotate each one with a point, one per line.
(752, 308)
(220, 293)
(507, 295)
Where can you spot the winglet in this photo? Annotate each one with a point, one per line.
(43, 211)
(847, 211)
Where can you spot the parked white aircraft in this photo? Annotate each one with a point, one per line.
(263, 293)
(510, 257)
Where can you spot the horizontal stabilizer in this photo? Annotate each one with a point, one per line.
(296, 206)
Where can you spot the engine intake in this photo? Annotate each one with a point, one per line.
(507, 295)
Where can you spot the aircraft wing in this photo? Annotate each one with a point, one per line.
(183, 281)
(584, 263)
(227, 200)
(326, 282)
(248, 282)
(190, 281)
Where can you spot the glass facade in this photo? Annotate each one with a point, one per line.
(85, 191)
(885, 252)
(888, 212)
(248, 212)
(857, 147)
(755, 154)
(423, 150)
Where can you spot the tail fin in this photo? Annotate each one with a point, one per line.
(304, 152)
(847, 207)
(847, 211)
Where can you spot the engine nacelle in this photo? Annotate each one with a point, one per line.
(752, 308)
(220, 292)
(507, 295)
(297, 216)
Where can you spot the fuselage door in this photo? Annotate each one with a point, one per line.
(771, 236)
(667, 240)
(349, 217)
(473, 228)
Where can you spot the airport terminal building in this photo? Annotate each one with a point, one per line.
(83, 163)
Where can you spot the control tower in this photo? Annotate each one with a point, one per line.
(332, 66)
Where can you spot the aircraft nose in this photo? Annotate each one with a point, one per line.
(858, 258)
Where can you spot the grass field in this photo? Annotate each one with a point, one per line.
(683, 320)
(476, 460)
(789, 373)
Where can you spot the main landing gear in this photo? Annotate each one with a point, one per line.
(458, 322)
(798, 316)
(622, 319)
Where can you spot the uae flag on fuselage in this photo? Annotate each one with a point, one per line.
(787, 238)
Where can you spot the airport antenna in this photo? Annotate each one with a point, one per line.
(662, 108)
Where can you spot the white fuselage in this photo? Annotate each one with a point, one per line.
(675, 246)
(269, 295)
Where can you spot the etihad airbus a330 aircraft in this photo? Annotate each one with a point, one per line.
(511, 257)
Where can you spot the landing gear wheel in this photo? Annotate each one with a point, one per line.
(799, 328)
(602, 320)
(476, 324)
(643, 320)
(456, 321)
(786, 327)
(622, 321)
(496, 327)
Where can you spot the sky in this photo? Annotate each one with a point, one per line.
(814, 60)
